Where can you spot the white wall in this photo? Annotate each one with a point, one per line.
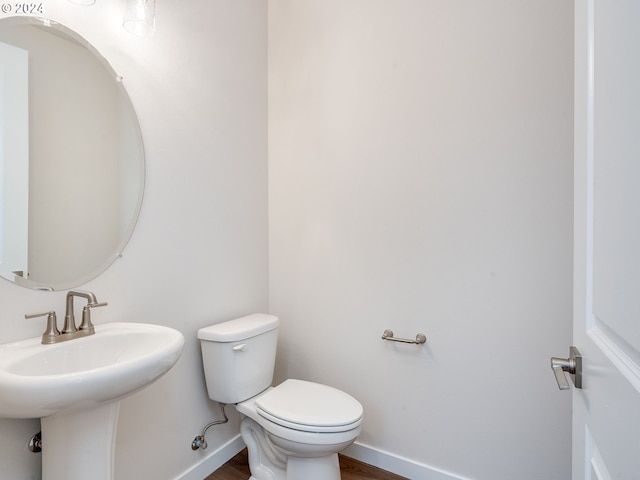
(420, 179)
(199, 253)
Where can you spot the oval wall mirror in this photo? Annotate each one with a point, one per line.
(71, 157)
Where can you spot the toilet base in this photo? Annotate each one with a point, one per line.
(319, 468)
(268, 462)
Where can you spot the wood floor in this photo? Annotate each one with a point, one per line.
(238, 469)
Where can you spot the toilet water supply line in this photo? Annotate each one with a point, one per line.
(199, 441)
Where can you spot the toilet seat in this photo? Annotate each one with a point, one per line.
(310, 407)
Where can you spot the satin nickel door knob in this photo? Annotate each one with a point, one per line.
(571, 365)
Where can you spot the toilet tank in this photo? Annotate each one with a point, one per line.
(239, 356)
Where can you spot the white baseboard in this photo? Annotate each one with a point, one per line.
(364, 453)
(398, 465)
(214, 460)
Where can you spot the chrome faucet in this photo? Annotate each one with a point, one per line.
(69, 331)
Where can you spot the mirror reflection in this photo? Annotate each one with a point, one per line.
(71, 157)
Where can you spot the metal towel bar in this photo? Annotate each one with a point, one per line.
(420, 338)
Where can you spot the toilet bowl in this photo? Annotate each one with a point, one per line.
(293, 431)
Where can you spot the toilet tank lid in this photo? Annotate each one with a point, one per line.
(239, 329)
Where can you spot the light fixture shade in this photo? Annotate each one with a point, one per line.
(140, 17)
(83, 2)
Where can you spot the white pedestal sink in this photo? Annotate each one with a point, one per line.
(76, 388)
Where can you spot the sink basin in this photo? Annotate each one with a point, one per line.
(121, 358)
(75, 387)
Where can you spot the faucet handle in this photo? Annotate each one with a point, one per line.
(50, 334)
(94, 305)
(86, 326)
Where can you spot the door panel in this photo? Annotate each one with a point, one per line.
(617, 168)
(606, 418)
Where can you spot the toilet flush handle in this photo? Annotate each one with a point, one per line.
(240, 347)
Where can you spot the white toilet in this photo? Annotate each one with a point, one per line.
(293, 431)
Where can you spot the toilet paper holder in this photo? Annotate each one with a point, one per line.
(420, 338)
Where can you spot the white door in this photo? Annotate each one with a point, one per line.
(14, 161)
(606, 411)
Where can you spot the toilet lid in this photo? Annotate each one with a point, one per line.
(310, 407)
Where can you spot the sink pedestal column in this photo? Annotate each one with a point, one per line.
(80, 444)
